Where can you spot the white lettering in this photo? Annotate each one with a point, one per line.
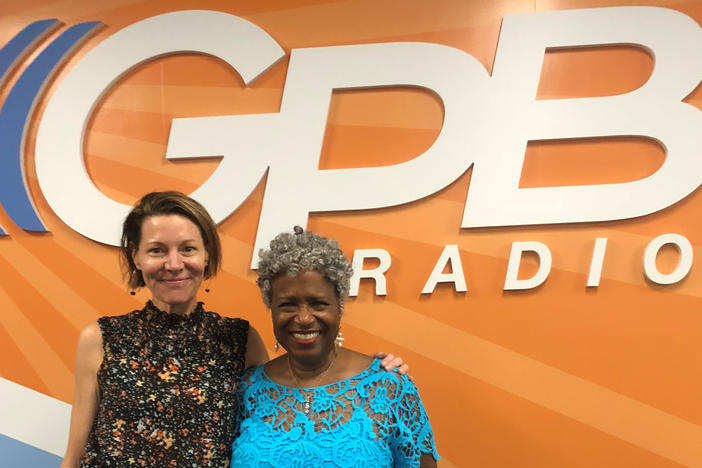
(598, 254)
(313, 75)
(377, 274)
(684, 263)
(449, 255)
(487, 122)
(655, 110)
(515, 257)
(61, 171)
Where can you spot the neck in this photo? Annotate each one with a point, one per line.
(184, 308)
(311, 371)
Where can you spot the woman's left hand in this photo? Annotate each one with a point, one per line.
(391, 362)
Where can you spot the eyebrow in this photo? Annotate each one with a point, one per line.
(153, 241)
(307, 297)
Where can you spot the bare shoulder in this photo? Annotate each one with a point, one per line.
(351, 363)
(89, 350)
(90, 337)
(359, 359)
(275, 365)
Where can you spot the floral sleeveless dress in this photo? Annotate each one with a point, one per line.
(167, 389)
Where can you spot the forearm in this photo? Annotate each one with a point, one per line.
(70, 461)
(75, 450)
(427, 461)
(82, 416)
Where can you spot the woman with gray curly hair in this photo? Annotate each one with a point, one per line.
(320, 404)
(301, 251)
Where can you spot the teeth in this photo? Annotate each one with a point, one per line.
(306, 336)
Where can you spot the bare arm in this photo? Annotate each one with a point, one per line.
(86, 394)
(427, 461)
(256, 353)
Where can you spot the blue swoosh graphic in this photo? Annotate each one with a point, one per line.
(14, 118)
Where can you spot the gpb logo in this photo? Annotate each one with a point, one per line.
(487, 121)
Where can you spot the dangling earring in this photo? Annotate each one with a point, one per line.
(339, 339)
(276, 346)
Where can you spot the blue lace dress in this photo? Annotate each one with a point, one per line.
(374, 418)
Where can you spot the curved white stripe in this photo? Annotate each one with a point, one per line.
(34, 418)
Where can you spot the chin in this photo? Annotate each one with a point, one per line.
(177, 299)
(308, 351)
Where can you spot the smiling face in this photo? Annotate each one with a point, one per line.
(172, 259)
(306, 316)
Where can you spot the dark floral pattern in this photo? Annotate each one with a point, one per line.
(375, 418)
(167, 389)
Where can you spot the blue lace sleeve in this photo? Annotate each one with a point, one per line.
(402, 418)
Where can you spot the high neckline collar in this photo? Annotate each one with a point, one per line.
(153, 313)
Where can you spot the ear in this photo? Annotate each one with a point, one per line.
(136, 261)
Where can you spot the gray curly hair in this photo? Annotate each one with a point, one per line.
(298, 251)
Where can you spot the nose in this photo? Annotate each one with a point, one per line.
(173, 261)
(304, 315)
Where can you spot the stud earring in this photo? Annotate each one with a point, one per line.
(276, 346)
(340, 339)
